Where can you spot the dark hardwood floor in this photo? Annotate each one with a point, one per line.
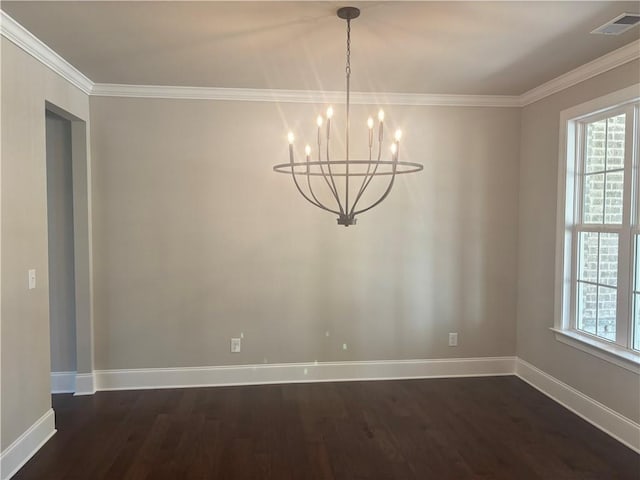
(465, 428)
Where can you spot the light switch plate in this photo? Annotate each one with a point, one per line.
(32, 279)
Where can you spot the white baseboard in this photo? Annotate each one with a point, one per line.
(619, 427)
(609, 421)
(85, 384)
(301, 373)
(63, 382)
(26, 446)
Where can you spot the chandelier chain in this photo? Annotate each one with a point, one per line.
(348, 69)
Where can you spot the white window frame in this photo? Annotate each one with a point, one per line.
(620, 351)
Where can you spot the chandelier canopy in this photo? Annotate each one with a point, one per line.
(354, 174)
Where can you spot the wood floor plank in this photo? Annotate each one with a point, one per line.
(496, 428)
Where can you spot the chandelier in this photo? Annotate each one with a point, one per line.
(342, 177)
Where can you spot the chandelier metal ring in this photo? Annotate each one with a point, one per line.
(300, 168)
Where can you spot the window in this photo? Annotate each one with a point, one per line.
(598, 250)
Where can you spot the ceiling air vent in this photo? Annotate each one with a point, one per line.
(619, 25)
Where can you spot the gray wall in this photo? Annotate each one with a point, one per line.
(609, 384)
(62, 304)
(25, 379)
(196, 239)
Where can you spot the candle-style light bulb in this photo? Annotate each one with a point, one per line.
(370, 125)
(329, 115)
(394, 149)
(381, 115)
(290, 137)
(319, 121)
(398, 135)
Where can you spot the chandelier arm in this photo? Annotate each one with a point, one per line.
(367, 180)
(331, 189)
(364, 179)
(295, 181)
(384, 195)
(309, 184)
(333, 182)
(317, 202)
(324, 175)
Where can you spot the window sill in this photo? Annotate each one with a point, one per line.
(611, 353)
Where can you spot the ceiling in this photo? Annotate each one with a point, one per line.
(493, 48)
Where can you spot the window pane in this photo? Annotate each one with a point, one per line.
(608, 259)
(607, 303)
(615, 142)
(636, 297)
(636, 326)
(587, 298)
(637, 269)
(613, 202)
(594, 158)
(588, 267)
(593, 198)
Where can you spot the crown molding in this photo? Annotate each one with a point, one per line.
(607, 62)
(301, 96)
(23, 38)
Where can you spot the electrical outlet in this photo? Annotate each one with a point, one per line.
(236, 345)
(344, 346)
(453, 339)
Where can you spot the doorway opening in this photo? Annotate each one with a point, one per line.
(69, 248)
(62, 302)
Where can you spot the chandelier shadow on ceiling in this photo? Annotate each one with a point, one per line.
(354, 173)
